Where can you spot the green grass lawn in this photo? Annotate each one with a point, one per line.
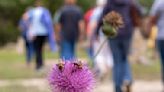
(12, 66)
(19, 88)
(151, 72)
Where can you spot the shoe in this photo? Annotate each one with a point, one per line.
(126, 87)
(28, 64)
(41, 70)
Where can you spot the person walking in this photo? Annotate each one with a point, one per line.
(89, 48)
(120, 44)
(41, 28)
(70, 28)
(24, 28)
(157, 18)
(104, 60)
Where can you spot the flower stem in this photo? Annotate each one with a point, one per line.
(99, 49)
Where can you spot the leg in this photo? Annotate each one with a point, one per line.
(117, 72)
(160, 44)
(38, 44)
(29, 52)
(26, 48)
(28, 58)
(126, 45)
(127, 79)
(31, 49)
(121, 69)
(73, 50)
(67, 50)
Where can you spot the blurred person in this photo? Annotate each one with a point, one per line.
(41, 28)
(70, 28)
(87, 18)
(138, 53)
(57, 28)
(120, 44)
(104, 60)
(151, 44)
(152, 37)
(157, 18)
(24, 28)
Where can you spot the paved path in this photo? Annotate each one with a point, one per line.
(41, 84)
(139, 86)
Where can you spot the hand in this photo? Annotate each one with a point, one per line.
(145, 29)
(145, 32)
(97, 38)
(57, 38)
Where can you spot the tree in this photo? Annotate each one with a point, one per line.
(12, 10)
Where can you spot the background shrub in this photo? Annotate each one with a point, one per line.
(11, 11)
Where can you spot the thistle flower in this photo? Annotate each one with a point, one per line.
(111, 23)
(71, 77)
(114, 19)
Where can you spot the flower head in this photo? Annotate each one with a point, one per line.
(111, 22)
(71, 77)
(114, 19)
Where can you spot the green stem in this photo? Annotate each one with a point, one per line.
(101, 46)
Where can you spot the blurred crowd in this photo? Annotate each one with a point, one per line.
(71, 25)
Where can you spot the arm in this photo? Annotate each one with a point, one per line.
(152, 21)
(100, 22)
(91, 28)
(81, 25)
(81, 28)
(94, 22)
(23, 22)
(57, 28)
(57, 25)
(20, 26)
(46, 19)
(154, 14)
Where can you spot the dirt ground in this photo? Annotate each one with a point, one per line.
(41, 84)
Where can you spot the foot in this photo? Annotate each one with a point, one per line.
(126, 86)
(41, 70)
(28, 64)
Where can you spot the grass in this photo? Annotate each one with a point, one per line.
(12, 66)
(151, 72)
(19, 88)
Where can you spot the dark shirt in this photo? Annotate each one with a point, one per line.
(70, 16)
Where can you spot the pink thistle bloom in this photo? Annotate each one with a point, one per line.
(71, 77)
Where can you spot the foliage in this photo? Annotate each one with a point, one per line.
(12, 10)
(146, 3)
(8, 34)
